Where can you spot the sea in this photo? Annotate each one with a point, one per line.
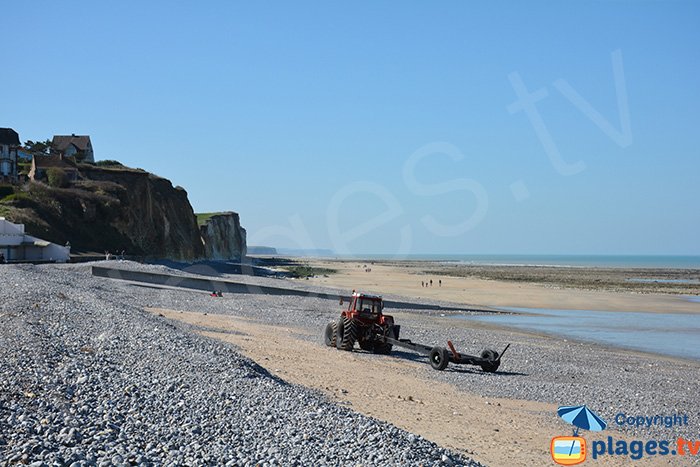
(603, 261)
(669, 334)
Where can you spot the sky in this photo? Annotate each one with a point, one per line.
(377, 127)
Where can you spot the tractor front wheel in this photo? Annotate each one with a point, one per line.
(345, 334)
(439, 358)
(366, 345)
(329, 334)
(382, 348)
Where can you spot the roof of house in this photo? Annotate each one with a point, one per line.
(45, 162)
(9, 137)
(61, 142)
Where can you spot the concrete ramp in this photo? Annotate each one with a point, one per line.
(234, 287)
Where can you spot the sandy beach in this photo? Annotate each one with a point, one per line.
(461, 415)
(462, 408)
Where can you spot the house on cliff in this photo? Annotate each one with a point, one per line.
(41, 165)
(16, 245)
(9, 144)
(73, 145)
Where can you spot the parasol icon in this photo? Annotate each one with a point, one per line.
(581, 417)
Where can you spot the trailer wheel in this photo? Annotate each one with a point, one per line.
(329, 334)
(439, 358)
(494, 362)
(346, 334)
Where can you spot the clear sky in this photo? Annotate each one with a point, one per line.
(385, 127)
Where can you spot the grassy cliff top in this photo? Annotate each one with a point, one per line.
(202, 217)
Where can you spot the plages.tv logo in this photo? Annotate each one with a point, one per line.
(571, 450)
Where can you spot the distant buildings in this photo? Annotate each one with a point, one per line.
(15, 245)
(9, 144)
(41, 165)
(61, 153)
(76, 146)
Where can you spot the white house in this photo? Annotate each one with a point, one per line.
(9, 143)
(73, 145)
(15, 245)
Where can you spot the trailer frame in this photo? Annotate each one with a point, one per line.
(440, 357)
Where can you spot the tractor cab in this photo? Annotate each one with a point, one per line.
(367, 306)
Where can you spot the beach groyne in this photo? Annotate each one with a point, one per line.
(242, 287)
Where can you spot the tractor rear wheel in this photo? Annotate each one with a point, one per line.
(494, 362)
(439, 358)
(329, 334)
(345, 334)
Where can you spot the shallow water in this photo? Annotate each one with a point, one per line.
(614, 261)
(671, 334)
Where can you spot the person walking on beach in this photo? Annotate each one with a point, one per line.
(431, 282)
(439, 282)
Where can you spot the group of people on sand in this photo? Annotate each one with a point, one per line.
(430, 283)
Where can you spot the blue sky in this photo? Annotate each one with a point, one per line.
(304, 116)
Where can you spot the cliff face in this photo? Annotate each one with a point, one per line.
(223, 237)
(157, 218)
(112, 209)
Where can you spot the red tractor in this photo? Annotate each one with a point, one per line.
(363, 322)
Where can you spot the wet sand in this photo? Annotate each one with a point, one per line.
(518, 286)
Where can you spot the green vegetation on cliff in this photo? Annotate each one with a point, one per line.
(110, 208)
(203, 217)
